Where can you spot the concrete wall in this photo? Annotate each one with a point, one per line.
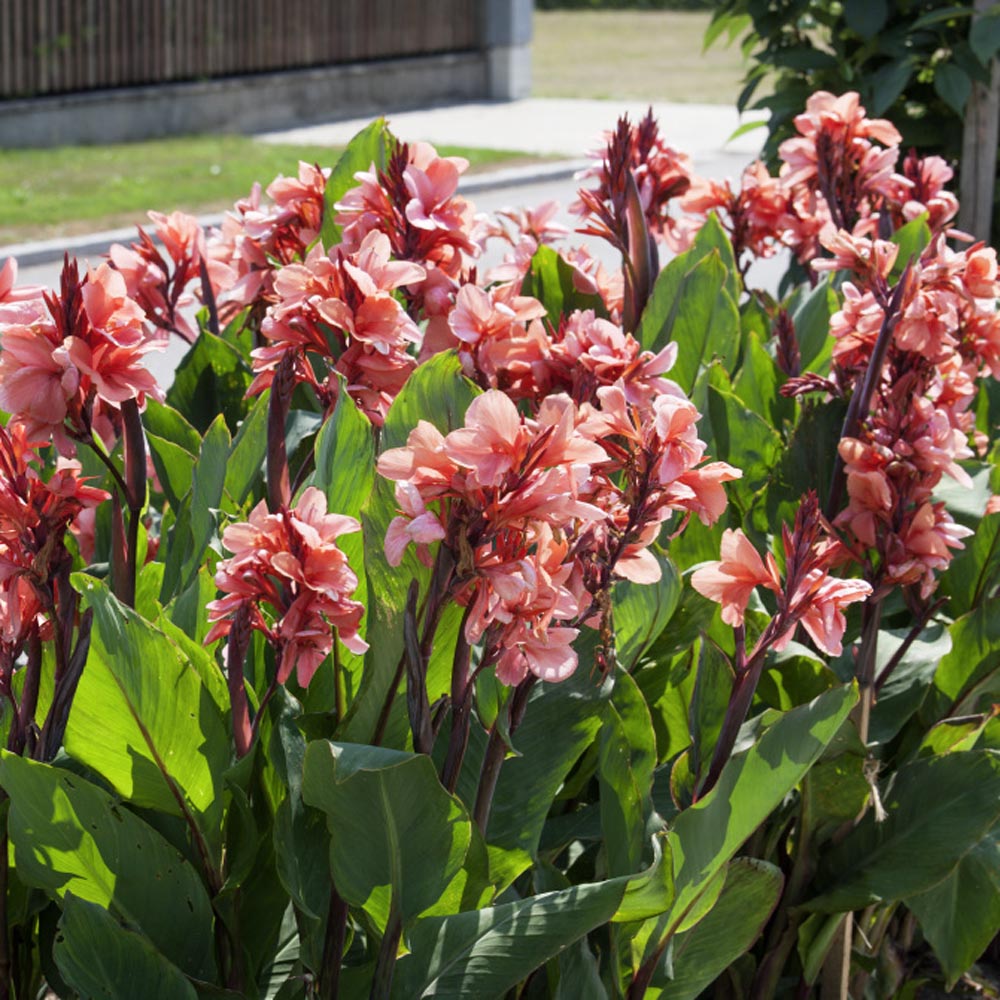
(501, 70)
(242, 104)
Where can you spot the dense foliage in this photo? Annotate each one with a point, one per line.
(912, 60)
(452, 631)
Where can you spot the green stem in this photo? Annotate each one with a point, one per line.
(333, 947)
(496, 751)
(861, 400)
(785, 926)
(339, 684)
(386, 965)
(5, 959)
(461, 708)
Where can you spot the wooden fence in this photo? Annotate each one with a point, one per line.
(58, 46)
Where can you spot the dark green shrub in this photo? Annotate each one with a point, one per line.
(913, 61)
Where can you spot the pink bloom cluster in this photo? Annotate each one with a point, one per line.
(297, 583)
(945, 336)
(839, 173)
(661, 174)
(414, 202)
(35, 513)
(159, 287)
(256, 238)
(808, 596)
(540, 514)
(69, 360)
(337, 312)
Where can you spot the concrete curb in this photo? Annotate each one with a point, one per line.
(40, 252)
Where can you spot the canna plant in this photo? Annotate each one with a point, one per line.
(538, 630)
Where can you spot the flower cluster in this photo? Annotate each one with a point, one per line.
(940, 332)
(661, 175)
(808, 596)
(35, 514)
(288, 572)
(161, 288)
(541, 514)
(337, 313)
(69, 360)
(256, 239)
(838, 173)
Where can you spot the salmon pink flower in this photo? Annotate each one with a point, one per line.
(289, 571)
(732, 580)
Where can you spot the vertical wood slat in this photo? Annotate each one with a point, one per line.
(53, 46)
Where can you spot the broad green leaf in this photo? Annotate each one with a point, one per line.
(691, 306)
(69, 836)
(642, 610)
(960, 915)
(712, 237)
(483, 953)
(712, 688)
(812, 327)
(345, 457)
(579, 974)
(248, 451)
(98, 957)
(668, 685)
(729, 929)
(211, 379)
(815, 939)
(888, 82)
(973, 660)
(162, 741)
(345, 471)
(197, 523)
(626, 761)
(806, 463)
(901, 695)
(967, 504)
(391, 823)
(187, 612)
(912, 239)
(651, 892)
(758, 382)
(834, 792)
(438, 392)
(951, 735)
(751, 785)
(170, 425)
(370, 148)
(550, 279)
(924, 836)
(793, 677)
(984, 37)
(975, 571)
(735, 434)
(560, 723)
(300, 835)
(866, 17)
(942, 14)
(174, 468)
(953, 86)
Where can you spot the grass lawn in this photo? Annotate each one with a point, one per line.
(632, 55)
(61, 192)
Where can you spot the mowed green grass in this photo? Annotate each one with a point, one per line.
(48, 193)
(632, 55)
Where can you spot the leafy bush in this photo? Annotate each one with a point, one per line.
(913, 61)
(423, 638)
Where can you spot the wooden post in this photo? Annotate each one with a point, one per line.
(979, 149)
